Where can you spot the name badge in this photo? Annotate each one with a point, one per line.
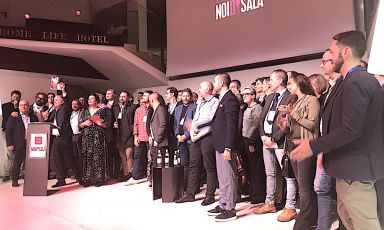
(271, 116)
(268, 128)
(182, 121)
(145, 119)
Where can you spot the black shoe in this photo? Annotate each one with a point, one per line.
(98, 184)
(185, 198)
(208, 200)
(226, 216)
(59, 183)
(86, 184)
(216, 211)
(6, 178)
(257, 201)
(51, 177)
(15, 183)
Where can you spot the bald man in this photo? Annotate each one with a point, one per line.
(62, 138)
(201, 150)
(159, 126)
(16, 130)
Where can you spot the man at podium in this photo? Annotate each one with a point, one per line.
(16, 131)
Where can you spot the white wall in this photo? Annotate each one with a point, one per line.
(27, 83)
(246, 76)
(31, 83)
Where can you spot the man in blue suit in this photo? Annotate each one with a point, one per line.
(183, 118)
(224, 133)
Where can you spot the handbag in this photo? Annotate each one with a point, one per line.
(286, 170)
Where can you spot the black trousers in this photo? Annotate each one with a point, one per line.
(63, 156)
(305, 172)
(19, 157)
(257, 177)
(202, 153)
(113, 160)
(140, 160)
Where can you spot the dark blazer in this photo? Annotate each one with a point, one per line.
(7, 109)
(125, 130)
(188, 116)
(63, 116)
(277, 134)
(159, 126)
(225, 123)
(326, 108)
(353, 146)
(171, 120)
(15, 132)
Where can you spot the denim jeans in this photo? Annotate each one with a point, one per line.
(184, 160)
(323, 189)
(270, 157)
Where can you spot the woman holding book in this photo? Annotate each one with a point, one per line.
(94, 147)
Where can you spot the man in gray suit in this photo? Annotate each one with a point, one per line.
(159, 125)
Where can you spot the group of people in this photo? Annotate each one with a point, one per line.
(285, 137)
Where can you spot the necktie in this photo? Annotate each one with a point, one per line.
(275, 102)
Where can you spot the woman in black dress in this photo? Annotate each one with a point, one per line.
(94, 147)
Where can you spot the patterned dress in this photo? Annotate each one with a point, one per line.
(94, 149)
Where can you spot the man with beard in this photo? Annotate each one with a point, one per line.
(39, 109)
(141, 138)
(353, 148)
(124, 114)
(224, 135)
(7, 109)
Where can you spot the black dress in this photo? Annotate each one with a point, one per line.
(94, 149)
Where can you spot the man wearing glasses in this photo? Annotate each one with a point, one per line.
(39, 108)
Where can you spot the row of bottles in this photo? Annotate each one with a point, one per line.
(159, 160)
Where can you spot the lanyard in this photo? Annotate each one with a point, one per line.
(352, 69)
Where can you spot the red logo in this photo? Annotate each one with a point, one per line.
(38, 140)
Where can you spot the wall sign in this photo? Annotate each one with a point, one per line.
(228, 8)
(67, 37)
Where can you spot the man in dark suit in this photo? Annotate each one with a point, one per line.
(323, 183)
(171, 96)
(353, 148)
(159, 127)
(183, 116)
(62, 138)
(380, 183)
(224, 137)
(16, 138)
(124, 113)
(7, 109)
(273, 148)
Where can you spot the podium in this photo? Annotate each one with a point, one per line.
(37, 159)
(168, 183)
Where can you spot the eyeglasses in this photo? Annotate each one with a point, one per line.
(247, 94)
(325, 61)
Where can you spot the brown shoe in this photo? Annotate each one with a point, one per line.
(288, 214)
(266, 208)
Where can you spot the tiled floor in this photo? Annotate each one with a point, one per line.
(117, 206)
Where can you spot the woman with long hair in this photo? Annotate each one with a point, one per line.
(94, 146)
(303, 123)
